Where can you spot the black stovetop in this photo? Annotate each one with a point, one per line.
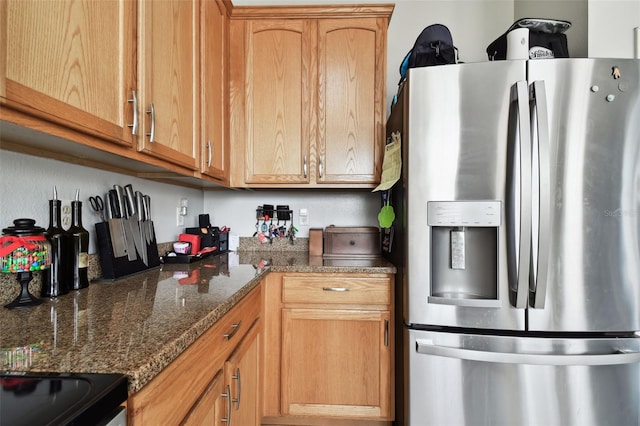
(59, 398)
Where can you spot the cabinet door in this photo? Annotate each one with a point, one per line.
(213, 77)
(351, 89)
(72, 62)
(212, 407)
(242, 375)
(169, 80)
(277, 101)
(336, 363)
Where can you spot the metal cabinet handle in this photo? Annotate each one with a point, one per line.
(227, 394)
(152, 134)
(134, 101)
(209, 154)
(321, 167)
(335, 289)
(304, 166)
(386, 332)
(235, 328)
(237, 377)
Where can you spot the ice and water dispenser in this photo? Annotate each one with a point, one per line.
(464, 252)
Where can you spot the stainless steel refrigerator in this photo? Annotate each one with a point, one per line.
(517, 240)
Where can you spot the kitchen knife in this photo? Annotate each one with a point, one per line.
(133, 224)
(118, 244)
(150, 230)
(142, 217)
(147, 218)
(126, 232)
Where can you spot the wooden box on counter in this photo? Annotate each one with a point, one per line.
(351, 241)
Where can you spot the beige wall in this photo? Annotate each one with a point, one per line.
(611, 24)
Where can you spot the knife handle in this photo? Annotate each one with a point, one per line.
(140, 206)
(120, 200)
(108, 212)
(131, 199)
(112, 204)
(147, 207)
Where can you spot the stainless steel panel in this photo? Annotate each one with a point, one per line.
(464, 379)
(593, 266)
(456, 131)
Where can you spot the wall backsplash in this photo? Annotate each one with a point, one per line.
(237, 209)
(27, 194)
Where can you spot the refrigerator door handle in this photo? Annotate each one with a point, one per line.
(538, 277)
(427, 347)
(520, 214)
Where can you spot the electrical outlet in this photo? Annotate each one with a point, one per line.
(179, 217)
(65, 213)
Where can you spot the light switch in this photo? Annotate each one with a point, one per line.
(304, 217)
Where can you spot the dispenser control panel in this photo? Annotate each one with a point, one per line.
(464, 213)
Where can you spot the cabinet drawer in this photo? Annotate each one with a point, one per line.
(231, 328)
(336, 289)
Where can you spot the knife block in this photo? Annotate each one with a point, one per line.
(118, 267)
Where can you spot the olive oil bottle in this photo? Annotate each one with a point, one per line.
(79, 246)
(55, 280)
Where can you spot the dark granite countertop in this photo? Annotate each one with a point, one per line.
(301, 262)
(139, 324)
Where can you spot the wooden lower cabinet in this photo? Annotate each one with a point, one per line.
(242, 377)
(212, 406)
(335, 363)
(328, 349)
(214, 379)
(232, 395)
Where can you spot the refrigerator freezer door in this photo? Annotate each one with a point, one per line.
(482, 380)
(461, 126)
(593, 213)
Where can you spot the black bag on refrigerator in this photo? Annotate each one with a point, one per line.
(546, 39)
(434, 46)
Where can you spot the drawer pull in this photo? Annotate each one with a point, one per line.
(335, 289)
(235, 328)
(237, 377)
(386, 332)
(304, 167)
(152, 112)
(227, 394)
(134, 101)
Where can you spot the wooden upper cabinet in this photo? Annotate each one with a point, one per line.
(351, 88)
(272, 79)
(307, 93)
(169, 73)
(214, 143)
(72, 63)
